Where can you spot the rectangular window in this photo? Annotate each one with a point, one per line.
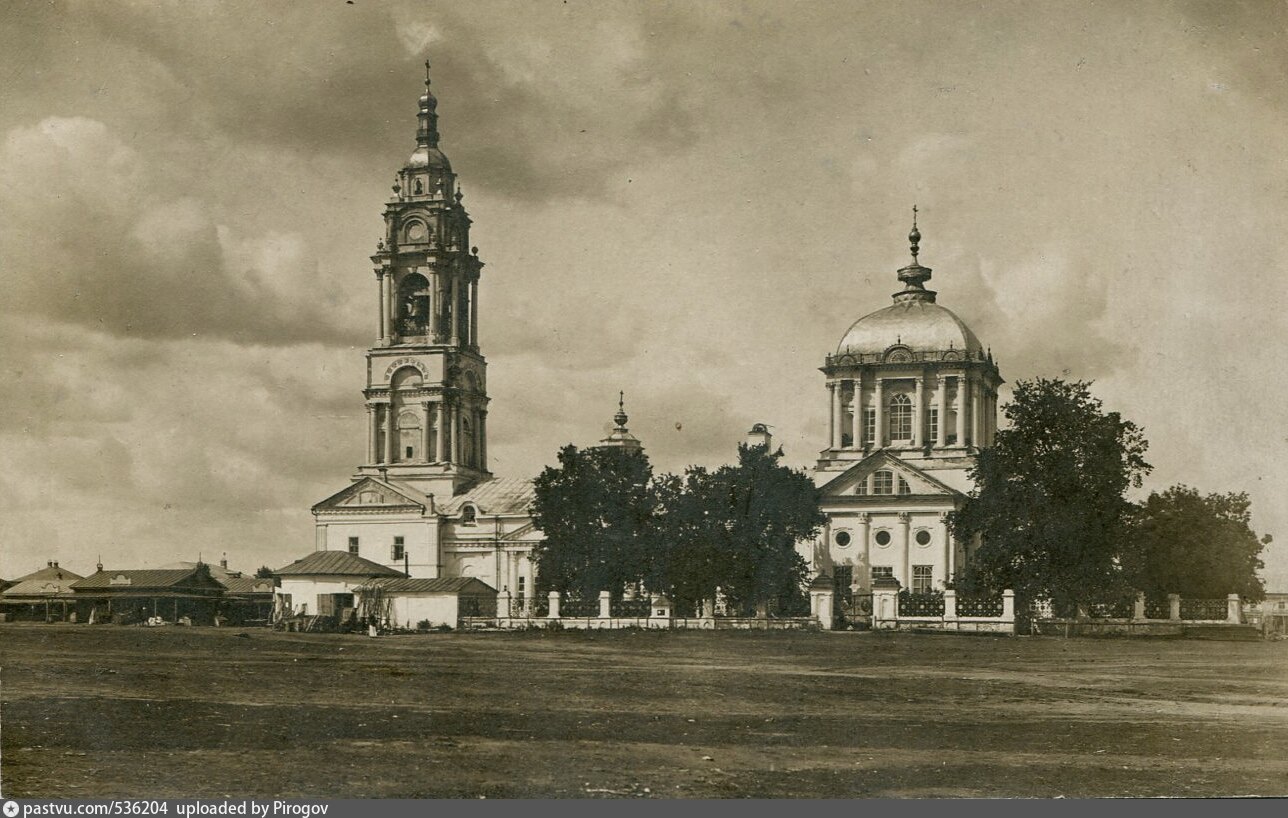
(922, 579)
(522, 587)
(399, 550)
(869, 426)
(353, 545)
(934, 426)
(883, 482)
(882, 572)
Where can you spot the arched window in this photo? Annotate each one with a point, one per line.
(883, 482)
(408, 436)
(900, 418)
(469, 515)
(904, 488)
(408, 377)
(413, 305)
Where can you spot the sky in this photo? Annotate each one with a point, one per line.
(687, 202)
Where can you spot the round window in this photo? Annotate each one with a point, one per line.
(842, 538)
(923, 537)
(883, 538)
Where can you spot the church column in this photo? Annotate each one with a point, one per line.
(390, 443)
(482, 433)
(835, 387)
(977, 415)
(905, 520)
(941, 436)
(372, 433)
(865, 525)
(961, 409)
(424, 441)
(474, 313)
(457, 418)
(919, 409)
(383, 280)
(390, 312)
(950, 554)
(856, 424)
(440, 445)
(456, 311)
(878, 403)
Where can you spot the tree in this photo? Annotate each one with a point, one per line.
(736, 528)
(264, 572)
(1199, 547)
(595, 509)
(1050, 505)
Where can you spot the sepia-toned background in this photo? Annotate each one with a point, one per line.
(690, 203)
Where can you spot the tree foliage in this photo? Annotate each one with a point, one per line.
(596, 510)
(264, 572)
(736, 528)
(1202, 547)
(609, 526)
(1050, 503)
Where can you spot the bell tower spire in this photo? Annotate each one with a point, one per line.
(426, 378)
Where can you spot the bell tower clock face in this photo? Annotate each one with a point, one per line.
(416, 232)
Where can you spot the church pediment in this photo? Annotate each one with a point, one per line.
(881, 474)
(370, 494)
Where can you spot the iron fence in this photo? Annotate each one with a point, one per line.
(630, 608)
(979, 605)
(578, 607)
(1199, 609)
(527, 607)
(1157, 607)
(1117, 609)
(925, 604)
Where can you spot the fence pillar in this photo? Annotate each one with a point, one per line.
(1233, 614)
(950, 605)
(554, 605)
(885, 603)
(1138, 606)
(503, 605)
(1008, 605)
(605, 605)
(1174, 607)
(659, 615)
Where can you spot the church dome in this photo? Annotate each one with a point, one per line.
(919, 324)
(913, 321)
(428, 157)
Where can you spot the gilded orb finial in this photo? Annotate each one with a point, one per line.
(914, 237)
(620, 418)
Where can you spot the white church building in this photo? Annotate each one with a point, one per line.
(913, 397)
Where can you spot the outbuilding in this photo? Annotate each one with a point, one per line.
(427, 603)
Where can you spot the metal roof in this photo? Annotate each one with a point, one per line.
(49, 572)
(146, 578)
(38, 587)
(407, 585)
(336, 563)
(501, 495)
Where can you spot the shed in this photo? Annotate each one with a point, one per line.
(171, 595)
(323, 583)
(408, 603)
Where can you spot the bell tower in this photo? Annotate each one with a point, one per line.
(426, 389)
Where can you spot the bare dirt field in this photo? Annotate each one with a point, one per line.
(120, 711)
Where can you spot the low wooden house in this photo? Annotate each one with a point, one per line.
(42, 596)
(178, 595)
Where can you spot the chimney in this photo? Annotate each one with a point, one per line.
(49, 563)
(55, 563)
(759, 436)
(223, 562)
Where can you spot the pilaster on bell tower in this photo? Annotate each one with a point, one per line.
(426, 380)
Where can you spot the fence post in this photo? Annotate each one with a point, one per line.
(885, 603)
(605, 605)
(1232, 612)
(950, 606)
(1174, 607)
(1008, 605)
(553, 613)
(821, 595)
(659, 614)
(503, 606)
(1138, 607)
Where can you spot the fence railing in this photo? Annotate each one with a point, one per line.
(925, 604)
(979, 605)
(630, 608)
(578, 607)
(1203, 609)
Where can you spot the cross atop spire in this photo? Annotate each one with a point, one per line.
(914, 238)
(914, 276)
(427, 81)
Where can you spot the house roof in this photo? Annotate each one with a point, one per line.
(234, 581)
(38, 587)
(500, 495)
(336, 563)
(146, 578)
(50, 571)
(407, 585)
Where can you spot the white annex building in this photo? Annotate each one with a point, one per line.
(424, 502)
(913, 398)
